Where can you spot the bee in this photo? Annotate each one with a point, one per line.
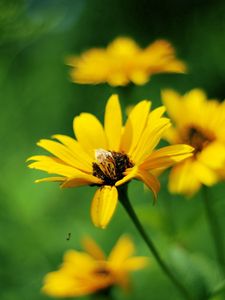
(106, 163)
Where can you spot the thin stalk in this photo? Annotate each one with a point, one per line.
(214, 228)
(130, 211)
(105, 294)
(102, 297)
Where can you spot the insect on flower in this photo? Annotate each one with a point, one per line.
(110, 156)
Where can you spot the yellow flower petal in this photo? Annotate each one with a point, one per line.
(129, 174)
(123, 46)
(117, 79)
(86, 74)
(103, 205)
(123, 61)
(58, 284)
(74, 177)
(182, 179)
(206, 175)
(79, 178)
(149, 140)
(150, 180)
(123, 280)
(202, 126)
(136, 263)
(123, 249)
(167, 156)
(135, 125)
(51, 165)
(213, 155)
(85, 160)
(160, 57)
(51, 179)
(151, 135)
(172, 136)
(77, 277)
(194, 98)
(175, 66)
(85, 270)
(113, 123)
(92, 248)
(139, 77)
(155, 115)
(63, 153)
(77, 262)
(174, 107)
(89, 132)
(86, 273)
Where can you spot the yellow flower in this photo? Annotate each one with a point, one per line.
(123, 61)
(88, 272)
(201, 124)
(110, 156)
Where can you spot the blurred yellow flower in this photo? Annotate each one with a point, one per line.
(123, 61)
(200, 123)
(111, 156)
(88, 272)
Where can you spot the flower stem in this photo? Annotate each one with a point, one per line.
(214, 227)
(105, 294)
(102, 297)
(129, 209)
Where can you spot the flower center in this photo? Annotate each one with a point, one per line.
(198, 139)
(102, 272)
(110, 165)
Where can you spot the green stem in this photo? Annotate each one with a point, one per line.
(129, 209)
(102, 297)
(214, 227)
(105, 294)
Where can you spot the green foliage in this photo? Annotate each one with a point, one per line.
(15, 25)
(38, 100)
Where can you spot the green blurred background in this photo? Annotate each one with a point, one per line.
(38, 100)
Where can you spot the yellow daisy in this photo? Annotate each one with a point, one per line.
(123, 61)
(89, 272)
(200, 123)
(110, 156)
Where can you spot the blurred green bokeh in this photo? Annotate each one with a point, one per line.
(38, 100)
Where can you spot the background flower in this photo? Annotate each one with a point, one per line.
(38, 99)
(123, 61)
(203, 127)
(111, 156)
(89, 272)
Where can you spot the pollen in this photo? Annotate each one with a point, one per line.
(102, 271)
(198, 139)
(110, 165)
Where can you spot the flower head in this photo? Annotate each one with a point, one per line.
(201, 124)
(123, 61)
(110, 156)
(88, 272)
